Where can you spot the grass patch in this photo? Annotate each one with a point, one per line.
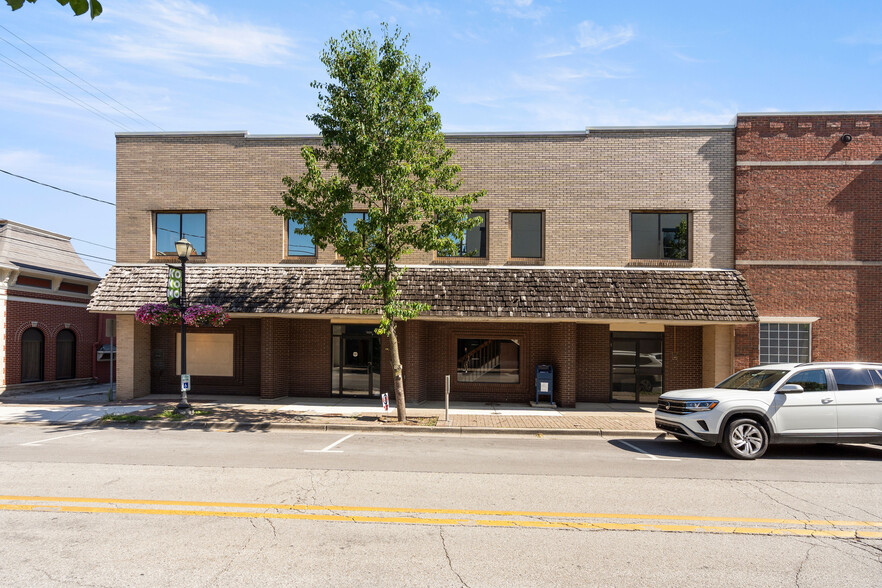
(171, 415)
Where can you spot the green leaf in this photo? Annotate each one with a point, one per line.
(96, 9)
(16, 4)
(79, 6)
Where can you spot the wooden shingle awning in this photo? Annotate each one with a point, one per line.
(472, 292)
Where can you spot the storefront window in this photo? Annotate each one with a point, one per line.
(492, 361)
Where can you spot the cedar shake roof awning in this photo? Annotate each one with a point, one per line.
(526, 293)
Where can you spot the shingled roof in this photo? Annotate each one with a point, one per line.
(540, 293)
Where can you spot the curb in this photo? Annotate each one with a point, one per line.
(376, 429)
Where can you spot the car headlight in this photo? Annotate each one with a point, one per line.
(700, 405)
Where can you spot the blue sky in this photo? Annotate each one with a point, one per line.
(514, 65)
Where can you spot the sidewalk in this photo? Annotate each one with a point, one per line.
(80, 406)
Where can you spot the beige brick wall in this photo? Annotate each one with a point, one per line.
(586, 184)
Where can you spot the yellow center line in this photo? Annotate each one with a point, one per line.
(456, 522)
(444, 511)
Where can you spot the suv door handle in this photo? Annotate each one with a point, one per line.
(879, 399)
(826, 400)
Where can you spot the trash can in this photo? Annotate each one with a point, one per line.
(545, 382)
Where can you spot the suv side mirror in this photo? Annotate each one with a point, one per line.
(791, 389)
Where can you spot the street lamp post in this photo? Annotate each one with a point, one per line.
(184, 249)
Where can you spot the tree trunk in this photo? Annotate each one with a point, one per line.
(397, 373)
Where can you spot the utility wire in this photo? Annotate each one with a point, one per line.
(38, 78)
(95, 244)
(73, 83)
(57, 188)
(65, 251)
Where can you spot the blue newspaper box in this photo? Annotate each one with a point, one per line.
(545, 382)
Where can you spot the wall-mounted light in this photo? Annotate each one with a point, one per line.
(846, 138)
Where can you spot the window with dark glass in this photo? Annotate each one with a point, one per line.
(849, 379)
(526, 234)
(174, 226)
(299, 245)
(32, 355)
(488, 361)
(65, 355)
(474, 242)
(659, 235)
(810, 380)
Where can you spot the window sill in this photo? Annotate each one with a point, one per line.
(660, 263)
(176, 259)
(526, 261)
(456, 260)
(301, 259)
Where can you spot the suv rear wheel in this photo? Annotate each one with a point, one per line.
(745, 439)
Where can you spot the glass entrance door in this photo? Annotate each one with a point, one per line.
(355, 360)
(636, 367)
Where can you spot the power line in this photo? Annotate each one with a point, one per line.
(38, 78)
(65, 251)
(95, 244)
(57, 188)
(32, 58)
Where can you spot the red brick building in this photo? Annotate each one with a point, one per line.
(47, 337)
(808, 235)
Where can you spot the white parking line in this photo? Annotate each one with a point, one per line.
(650, 456)
(330, 448)
(41, 441)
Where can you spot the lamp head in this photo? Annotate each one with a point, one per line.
(184, 249)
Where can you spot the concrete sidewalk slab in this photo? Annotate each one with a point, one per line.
(63, 414)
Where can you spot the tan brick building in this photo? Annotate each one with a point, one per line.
(607, 253)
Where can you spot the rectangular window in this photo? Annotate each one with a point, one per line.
(784, 343)
(299, 245)
(474, 243)
(659, 235)
(488, 361)
(208, 354)
(33, 282)
(174, 226)
(526, 235)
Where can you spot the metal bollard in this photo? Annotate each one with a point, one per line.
(447, 399)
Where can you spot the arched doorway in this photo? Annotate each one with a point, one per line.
(65, 355)
(32, 344)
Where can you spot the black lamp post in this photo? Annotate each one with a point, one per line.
(184, 249)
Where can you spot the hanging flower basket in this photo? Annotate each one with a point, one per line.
(206, 315)
(158, 315)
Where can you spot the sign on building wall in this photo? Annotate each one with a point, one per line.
(175, 278)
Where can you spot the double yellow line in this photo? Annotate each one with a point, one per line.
(467, 517)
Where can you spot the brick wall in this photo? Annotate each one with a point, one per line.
(592, 366)
(807, 229)
(682, 357)
(587, 184)
(51, 319)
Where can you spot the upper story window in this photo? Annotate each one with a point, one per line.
(174, 226)
(659, 235)
(474, 243)
(299, 245)
(527, 234)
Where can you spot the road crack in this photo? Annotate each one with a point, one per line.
(447, 555)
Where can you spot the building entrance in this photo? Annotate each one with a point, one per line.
(637, 366)
(355, 360)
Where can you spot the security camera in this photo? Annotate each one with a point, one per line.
(846, 138)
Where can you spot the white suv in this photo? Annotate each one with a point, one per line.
(780, 403)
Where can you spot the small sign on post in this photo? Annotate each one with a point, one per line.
(385, 398)
(185, 382)
(175, 280)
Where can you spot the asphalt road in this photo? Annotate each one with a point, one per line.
(136, 507)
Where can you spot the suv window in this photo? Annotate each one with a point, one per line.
(852, 379)
(810, 380)
(753, 380)
(877, 379)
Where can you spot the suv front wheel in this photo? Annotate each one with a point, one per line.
(745, 439)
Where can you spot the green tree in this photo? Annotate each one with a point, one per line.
(385, 155)
(93, 7)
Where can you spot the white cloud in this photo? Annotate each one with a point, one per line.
(75, 176)
(187, 33)
(594, 37)
(519, 9)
